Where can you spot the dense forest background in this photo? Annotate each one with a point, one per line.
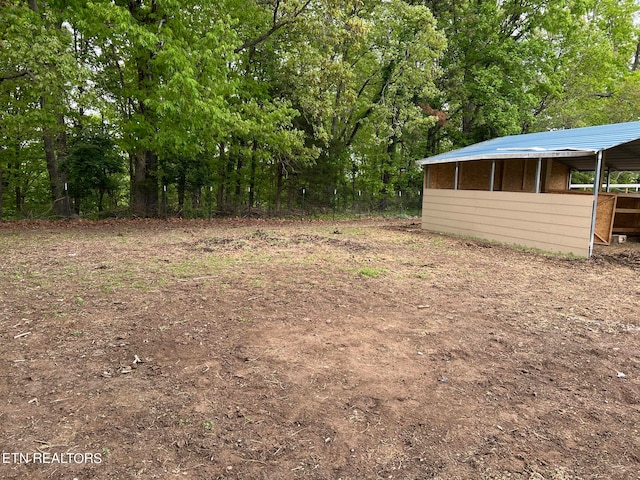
(152, 107)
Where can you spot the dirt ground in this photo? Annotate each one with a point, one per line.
(360, 349)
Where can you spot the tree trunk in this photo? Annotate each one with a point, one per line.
(238, 192)
(56, 178)
(291, 194)
(19, 197)
(279, 185)
(195, 199)
(14, 179)
(76, 204)
(468, 118)
(101, 193)
(182, 185)
(222, 178)
(144, 163)
(1, 190)
(252, 176)
(145, 184)
(230, 166)
(388, 163)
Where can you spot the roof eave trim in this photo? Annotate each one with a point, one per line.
(514, 154)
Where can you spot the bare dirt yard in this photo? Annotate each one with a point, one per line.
(360, 349)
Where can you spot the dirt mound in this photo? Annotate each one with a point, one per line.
(627, 258)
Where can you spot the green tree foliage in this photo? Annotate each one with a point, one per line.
(624, 103)
(37, 72)
(357, 77)
(92, 167)
(492, 69)
(243, 103)
(595, 42)
(166, 65)
(514, 67)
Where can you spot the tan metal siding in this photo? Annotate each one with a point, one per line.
(555, 223)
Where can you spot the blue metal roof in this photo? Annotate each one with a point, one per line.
(575, 147)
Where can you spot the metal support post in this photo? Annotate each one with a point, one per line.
(456, 176)
(538, 175)
(492, 181)
(596, 188)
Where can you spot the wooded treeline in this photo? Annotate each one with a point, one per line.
(239, 104)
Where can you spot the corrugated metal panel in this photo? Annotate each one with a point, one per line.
(575, 147)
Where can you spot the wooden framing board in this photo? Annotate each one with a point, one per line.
(627, 217)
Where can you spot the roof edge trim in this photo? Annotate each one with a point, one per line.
(516, 153)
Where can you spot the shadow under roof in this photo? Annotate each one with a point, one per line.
(576, 148)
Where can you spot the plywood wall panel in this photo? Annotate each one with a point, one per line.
(605, 214)
(475, 175)
(442, 175)
(556, 176)
(513, 175)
